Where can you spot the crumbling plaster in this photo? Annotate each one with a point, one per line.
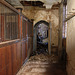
(47, 3)
(46, 15)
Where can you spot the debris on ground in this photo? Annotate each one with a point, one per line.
(39, 51)
(44, 57)
(42, 64)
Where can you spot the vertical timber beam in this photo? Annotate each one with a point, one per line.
(61, 28)
(34, 39)
(49, 37)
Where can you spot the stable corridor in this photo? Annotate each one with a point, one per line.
(37, 37)
(43, 64)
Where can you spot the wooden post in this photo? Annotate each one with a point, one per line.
(49, 37)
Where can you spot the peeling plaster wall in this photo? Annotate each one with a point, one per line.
(46, 15)
(71, 39)
(47, 3)
(29, 13)
(42, 15)
(49, 16)
(55, 25)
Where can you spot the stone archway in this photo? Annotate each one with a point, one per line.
(35, 33)
(42, 21)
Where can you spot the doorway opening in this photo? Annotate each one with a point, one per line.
(40, 39)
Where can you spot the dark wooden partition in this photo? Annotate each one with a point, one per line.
(24, 39)
(30, 38)
(15, 39)
(10, 57)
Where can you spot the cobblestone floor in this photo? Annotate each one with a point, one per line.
(43, 64)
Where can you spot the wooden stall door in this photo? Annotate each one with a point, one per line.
(2, 62)
(19, 55)
(16, 57)
(23, 52)
(26, 49)
(8, 60)
(5, 61)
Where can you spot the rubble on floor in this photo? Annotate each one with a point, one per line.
(43, 64)
(39, 51)
(44, 57)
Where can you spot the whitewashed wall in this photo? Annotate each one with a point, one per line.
(71, 39)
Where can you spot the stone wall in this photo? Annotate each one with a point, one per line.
(46, 15)
(71, 39)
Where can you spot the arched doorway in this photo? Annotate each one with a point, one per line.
(40, 31)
